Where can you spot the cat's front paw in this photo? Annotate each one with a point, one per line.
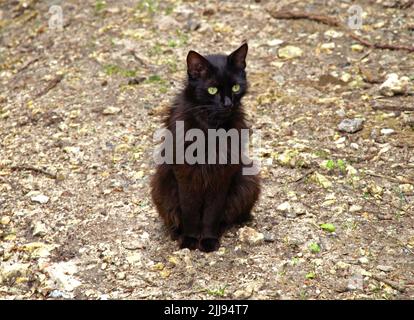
(209, 244)
(188, 242)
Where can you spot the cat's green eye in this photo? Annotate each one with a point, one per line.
(235, 88)
(212, 90)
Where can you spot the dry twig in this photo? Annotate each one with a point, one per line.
(334, 22)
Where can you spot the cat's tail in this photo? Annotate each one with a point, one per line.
(243, 194)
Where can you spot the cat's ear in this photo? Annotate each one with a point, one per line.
(197, 65)
(238, 58)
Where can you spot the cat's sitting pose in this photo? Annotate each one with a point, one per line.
(199, 201)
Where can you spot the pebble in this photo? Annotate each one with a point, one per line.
(10, 270)
(59, 294)
(166, 23)
(250, 235)
(111, 110)
(61, 274)
(351, 125)
(355, 208)
(406, 187)
(121, 275)
(387, 131)
(274, 42)
(243, 293)
(394, 85)
(357, 48)
(290, 52)
(384, 268)
(41, 198)
(39, 229)
(363, 260)
(5, 220)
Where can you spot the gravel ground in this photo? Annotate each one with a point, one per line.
(78, 109)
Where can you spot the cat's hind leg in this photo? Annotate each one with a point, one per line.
(242, 195)
(164, 193)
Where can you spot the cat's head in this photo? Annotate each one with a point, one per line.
(218, 81)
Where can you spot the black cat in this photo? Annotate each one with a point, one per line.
(199, 201)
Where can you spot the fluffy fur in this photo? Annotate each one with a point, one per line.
(198, 202)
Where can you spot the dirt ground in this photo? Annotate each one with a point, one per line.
(78, 108)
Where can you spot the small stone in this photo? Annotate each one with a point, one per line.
(363, 260)
(290, 52)
(357, 48)
(268, 237)
(342, 265)
(39, 229)
(251, 236)
(328, 47)
(387, 131)
(351, 125)
(59, 294)
(333, 34)
(41, 198)
(321, 180)
(355, 208)
(121, 275)
(166, 23)
(133, 245)
(355, 282)
(406, 188)
(394, 85)
(285, 207)
(61, 274)
(243, 293)
(353, 145)
(385, 268)
(9, 271)
(274, 42)
(111, 110)
(5, 220)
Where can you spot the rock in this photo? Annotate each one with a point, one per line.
(355, 208)
(59, 294)
(363, 260)
(167, 23)
(5, 220)
(406, 188)
(290, 52)
(9, 271)
(351, 125)
(333, 34)
(285, 206)
(38, 249)
(39, 229)
(355, 282)
(357, 48)
(394, 85)
(243, 293)
(41, 198)
(321, 180)
(274, 42)
(250, 236)
(111, 110)
(61, 274)
(133, 244)
(385, 268)
(121, 275)
(328, 47)
(387, 131)
(408, 119)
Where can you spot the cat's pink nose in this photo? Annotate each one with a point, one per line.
(227, 102)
